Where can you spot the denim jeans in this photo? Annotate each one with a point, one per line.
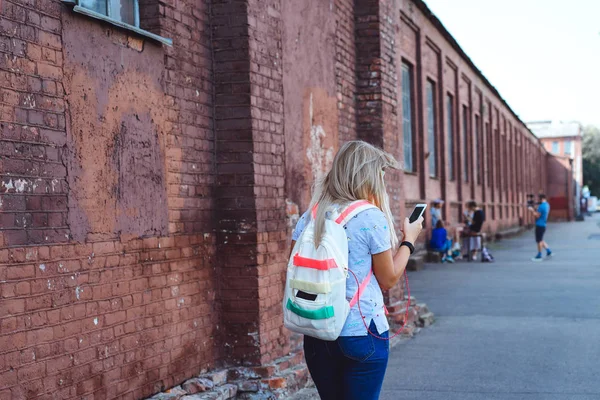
(444, 249)
(349, 368)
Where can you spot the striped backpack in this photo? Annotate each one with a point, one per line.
(314, 302)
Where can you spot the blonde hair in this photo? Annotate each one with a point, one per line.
(356, 174)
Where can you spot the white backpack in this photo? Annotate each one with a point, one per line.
(314, 302)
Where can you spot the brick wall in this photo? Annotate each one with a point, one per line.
(33, 191)
(107, 265)
(345, 68)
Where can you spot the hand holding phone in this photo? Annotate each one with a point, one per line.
(418, 212)
(414, 224)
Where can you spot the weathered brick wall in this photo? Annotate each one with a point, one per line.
(252, 229)
(504, 162)
(345, 68)
(266, 53)
(107, 268)
(33, 125)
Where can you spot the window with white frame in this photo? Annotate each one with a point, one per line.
(126, 11)
(407, 126)
(122, 13)
(431, 120)
(450, 131)
(554, 147)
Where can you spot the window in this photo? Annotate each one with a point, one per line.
(489, 155)
(465, 147)
(431, 128)
(476, 141)
(407, 126)
(126, 11)
(450, 130)
(555, 147)
(498, 158)
(122, 13)
(569, 148)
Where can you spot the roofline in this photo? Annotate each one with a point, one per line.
(440, 27)
(561, 137)
(548, 121)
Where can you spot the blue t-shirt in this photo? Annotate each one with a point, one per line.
(544, 210)
(438, 238)
(368, 233)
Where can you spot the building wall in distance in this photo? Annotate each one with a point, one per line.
(570, 147)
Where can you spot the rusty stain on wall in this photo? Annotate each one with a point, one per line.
(309, 79)
(117, 173)
(320, 150)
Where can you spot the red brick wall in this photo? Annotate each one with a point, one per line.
(33, 125)
(576, 142)
(107, 268)
(503, 161)
(560, 188)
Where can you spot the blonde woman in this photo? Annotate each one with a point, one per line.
(353, 366)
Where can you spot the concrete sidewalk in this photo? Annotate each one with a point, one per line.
(511, 330)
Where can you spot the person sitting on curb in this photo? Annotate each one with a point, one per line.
(440, 242)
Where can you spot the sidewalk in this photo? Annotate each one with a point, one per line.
(511, 330)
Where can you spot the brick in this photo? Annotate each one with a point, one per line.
(8, 378)
(49, 71)
(135, 43)
(51, 24)
(49, 39)
(38, 302)
(12, 307)
(276, 382)
(22, 289)
(32, 372)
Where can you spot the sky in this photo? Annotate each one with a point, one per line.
(543, 56)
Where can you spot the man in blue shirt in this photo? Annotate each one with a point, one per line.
(541, 215)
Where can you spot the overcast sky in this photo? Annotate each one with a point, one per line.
(543, 56)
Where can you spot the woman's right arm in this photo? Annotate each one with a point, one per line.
(389, 268)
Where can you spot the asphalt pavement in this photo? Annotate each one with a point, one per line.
(510, 330)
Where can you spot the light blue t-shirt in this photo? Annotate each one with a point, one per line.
(544, 210)
(368, 233)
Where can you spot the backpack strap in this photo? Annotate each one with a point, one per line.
(361, 288)
(345, 216)
(313, 212)
(347, 213)
(353, 209)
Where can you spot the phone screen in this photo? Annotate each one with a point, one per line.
(416, 214)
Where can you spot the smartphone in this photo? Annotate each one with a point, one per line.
(417, 212)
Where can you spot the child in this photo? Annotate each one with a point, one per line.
(440, 242)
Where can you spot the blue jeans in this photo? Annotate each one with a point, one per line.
(349, 368)
(444, 249)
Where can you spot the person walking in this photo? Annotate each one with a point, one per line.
(352, 367)
(541, 215)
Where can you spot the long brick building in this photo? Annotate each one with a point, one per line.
(154, 155)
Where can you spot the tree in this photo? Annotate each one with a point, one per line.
(591, 158)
